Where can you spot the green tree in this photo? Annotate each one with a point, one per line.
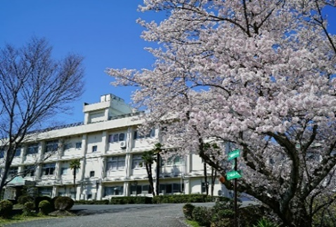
(75, 165)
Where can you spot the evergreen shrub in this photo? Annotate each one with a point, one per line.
(45, 207)
(64, 203)
(6, 208)
(28, 208)
(24, 199)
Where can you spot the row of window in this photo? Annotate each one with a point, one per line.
(118, 137)
(33, 148)
(119, 190)
(112, 164)
(144, 189)
(52, 146)
(17, 153)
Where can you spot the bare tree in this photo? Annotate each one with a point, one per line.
(33, 87)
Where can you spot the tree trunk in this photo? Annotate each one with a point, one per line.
(157, 173)
(74, 182)
(213, 179)
(3, 180)
(150, 178)
(205, 179)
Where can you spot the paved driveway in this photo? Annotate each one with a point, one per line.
(137, 215)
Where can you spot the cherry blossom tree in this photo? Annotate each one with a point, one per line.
(258, 75)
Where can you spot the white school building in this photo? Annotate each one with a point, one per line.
(109, 149)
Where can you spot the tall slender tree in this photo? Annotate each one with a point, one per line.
(75, 165)
(157, 150)
(148, 158)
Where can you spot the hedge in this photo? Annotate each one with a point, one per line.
(191, 198)
(98, 202)
(131, 200)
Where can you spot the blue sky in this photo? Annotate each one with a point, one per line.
(104, 32)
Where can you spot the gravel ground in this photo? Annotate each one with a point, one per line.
(153, 215)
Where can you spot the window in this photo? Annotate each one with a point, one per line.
(32, 148)
(117, 137)
(29, 171)
(169, 188)
(114, 190)
(172, 188)
(78, 145)
(140, 189)
(72, 195)
(204, 184)
(136, 162)
(115, 163)
(92, 173)
(48, 169)
(17, 152)
(51, 146)
(94, 148)
(45, 191)
(12, 172)
(64, 171)
(67, 146)
(175, 160)
(177, 188)
(151, 134)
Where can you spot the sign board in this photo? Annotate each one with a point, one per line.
(232, 175)
(234, 154)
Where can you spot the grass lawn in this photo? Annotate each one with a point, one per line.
(192, 223)
(21, 218)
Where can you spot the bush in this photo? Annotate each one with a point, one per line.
(6, 208)
(63, 203)
(23, 199)
(249, 216)
(53, 202)
(39, 199)
(27, 208)
(45, 207)
(202, 215)
(192, 198)
(187, 211)
(265, 223)
(105, 201)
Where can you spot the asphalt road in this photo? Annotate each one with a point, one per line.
(130, 215)
(135, 215)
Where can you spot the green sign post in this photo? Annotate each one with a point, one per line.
(232, 175)
(233, 155)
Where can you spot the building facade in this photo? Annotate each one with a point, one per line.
(109, 148)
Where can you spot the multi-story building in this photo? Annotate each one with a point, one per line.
(109, 149)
